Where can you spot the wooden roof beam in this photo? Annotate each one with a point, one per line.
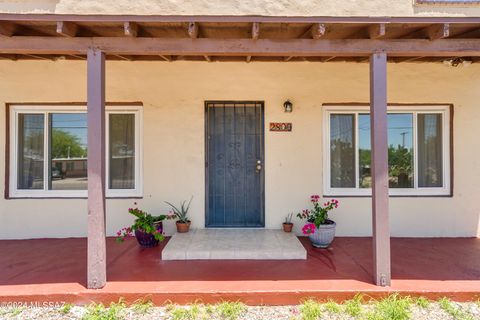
(12, 57)
(78, 56)
(166, 58)
(193, 30)
(34, 56)
(67, 29)
(377, 31)
(328, 59)
(398, 60)
(318, 30)
(240, 47)
(130, 29)
(255, 35)
(7, 29)
(122, 57)
(315, 31)
(438, 31)
(255, 30)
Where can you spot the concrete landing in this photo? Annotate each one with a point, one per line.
(234, 244)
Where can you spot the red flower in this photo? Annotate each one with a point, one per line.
(308, 228)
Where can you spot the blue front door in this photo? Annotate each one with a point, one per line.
(234, 164)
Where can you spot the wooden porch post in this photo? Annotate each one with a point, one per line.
(380, 216)
(97, 267)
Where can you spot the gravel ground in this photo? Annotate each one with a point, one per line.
(467, 311)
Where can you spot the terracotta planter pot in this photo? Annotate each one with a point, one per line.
(183, 227)
(287, 227)
(147, 240)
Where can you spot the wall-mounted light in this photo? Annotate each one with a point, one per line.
(287, 106)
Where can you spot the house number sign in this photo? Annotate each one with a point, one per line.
(281, 126)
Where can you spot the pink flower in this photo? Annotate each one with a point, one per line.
(308, 228)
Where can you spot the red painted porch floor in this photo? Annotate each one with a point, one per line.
(55, 270)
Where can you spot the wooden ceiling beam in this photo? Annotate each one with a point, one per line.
(255, 30)
(328, 59)
(377, 31)
(235, 19)
(193, 30)
(12, 57)
(122, 57)
(318, 30)
(67, 29)
(7, 29)
(315, 31)
(130, 29)
(38, 57)
(438, 31)
(398, 60)
(255, 36)
(240, 47)
(78, 56)
(166, 58)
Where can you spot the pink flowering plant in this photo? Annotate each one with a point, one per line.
(318, 215)
(144, 222)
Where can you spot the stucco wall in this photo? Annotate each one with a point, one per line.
(173, 95)
(238, 7)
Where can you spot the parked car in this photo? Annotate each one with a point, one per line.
(57, 173)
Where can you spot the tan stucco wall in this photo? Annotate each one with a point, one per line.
(173, 95)
(237, 7)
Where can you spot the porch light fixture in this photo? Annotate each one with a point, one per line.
(288, 106)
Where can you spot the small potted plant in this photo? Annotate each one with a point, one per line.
(319, 228)
(148, 229)
(181, 213)
(288, 225)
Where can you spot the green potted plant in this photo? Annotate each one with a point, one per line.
(287, 224)
(148, 229)
(319, 228)
(181, 214)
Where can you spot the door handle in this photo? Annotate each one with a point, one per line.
(258, 167)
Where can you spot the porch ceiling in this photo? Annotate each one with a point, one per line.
(238, 38)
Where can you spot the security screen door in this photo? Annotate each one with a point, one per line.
(234, 164)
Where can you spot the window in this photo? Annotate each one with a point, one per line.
(48, 151)
(418, 150)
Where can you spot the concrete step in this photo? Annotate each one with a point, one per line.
(234, 244)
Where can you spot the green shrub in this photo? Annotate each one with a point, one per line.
(354, 306)
(99, 312)
(393, 307)
(230, 310)
(310, 310)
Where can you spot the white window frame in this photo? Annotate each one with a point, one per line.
(462, 3)
(445, 190)
(15, 110)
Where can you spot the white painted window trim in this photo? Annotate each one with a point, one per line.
(445, 190)
(15, 110)
(458, 3)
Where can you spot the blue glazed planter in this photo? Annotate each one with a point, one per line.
(323, 236)
(147, 240)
